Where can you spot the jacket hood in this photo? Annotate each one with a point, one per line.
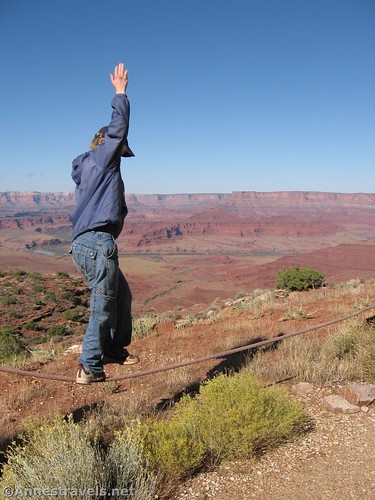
(76, 168)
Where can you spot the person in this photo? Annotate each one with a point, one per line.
(97, 219)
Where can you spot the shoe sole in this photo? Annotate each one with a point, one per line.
(107, 360)
(87, 381)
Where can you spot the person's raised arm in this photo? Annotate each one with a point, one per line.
(117, 132)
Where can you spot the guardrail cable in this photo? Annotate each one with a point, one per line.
(255, 345)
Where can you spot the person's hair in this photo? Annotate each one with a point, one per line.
(96, 141)
(98, 138)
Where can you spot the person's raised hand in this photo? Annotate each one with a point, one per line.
(119, 78)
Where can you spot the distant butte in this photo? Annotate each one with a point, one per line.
(243, 222)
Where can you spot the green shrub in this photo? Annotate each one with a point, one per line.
(171, 447)
(32, 325)
(299, 278)
(11, 343)
(20, 275)
(62, 274)
(57, 330)
(50, 296)
(8, 300)
(72, 297)
(35, 276)
(236, 416)
(232, 417)
(72, 315)
(19, 272)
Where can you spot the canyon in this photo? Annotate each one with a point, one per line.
(178, 250)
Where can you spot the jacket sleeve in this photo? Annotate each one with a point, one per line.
(117, 133)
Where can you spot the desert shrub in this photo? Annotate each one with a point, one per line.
(299, 278)
(58, 454)
(190, 320)
(57, 330)
(11, 343)
(342, 345)
(72, 315)
(143, 326)
(352, 349)
(50, 296)
(38, 288)
(33, 326)
(35, 276)
(171, 447)
(127, 467)
(61, 456)
(8, 300)
(72, 297)
(231, 417)
(62, 274)
(235, 416)
(297, 313)
(19, 272)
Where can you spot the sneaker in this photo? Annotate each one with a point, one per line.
(122, 359)
(88, 377)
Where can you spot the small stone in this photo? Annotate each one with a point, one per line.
(365, 409)
(337, 404)
(359, 394)
(74, 349)
(303, 388)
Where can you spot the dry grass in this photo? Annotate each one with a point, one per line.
(348, 354)
(178, 380)
(27, 394)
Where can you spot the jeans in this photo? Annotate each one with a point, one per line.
(110, 327)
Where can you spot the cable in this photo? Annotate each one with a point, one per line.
(224, 354)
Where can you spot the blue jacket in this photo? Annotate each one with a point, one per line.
(100, 197)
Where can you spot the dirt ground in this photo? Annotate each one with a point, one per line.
(334, 461)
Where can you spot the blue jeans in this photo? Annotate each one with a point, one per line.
(110, 327)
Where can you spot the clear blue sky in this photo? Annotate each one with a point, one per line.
(258, 95)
